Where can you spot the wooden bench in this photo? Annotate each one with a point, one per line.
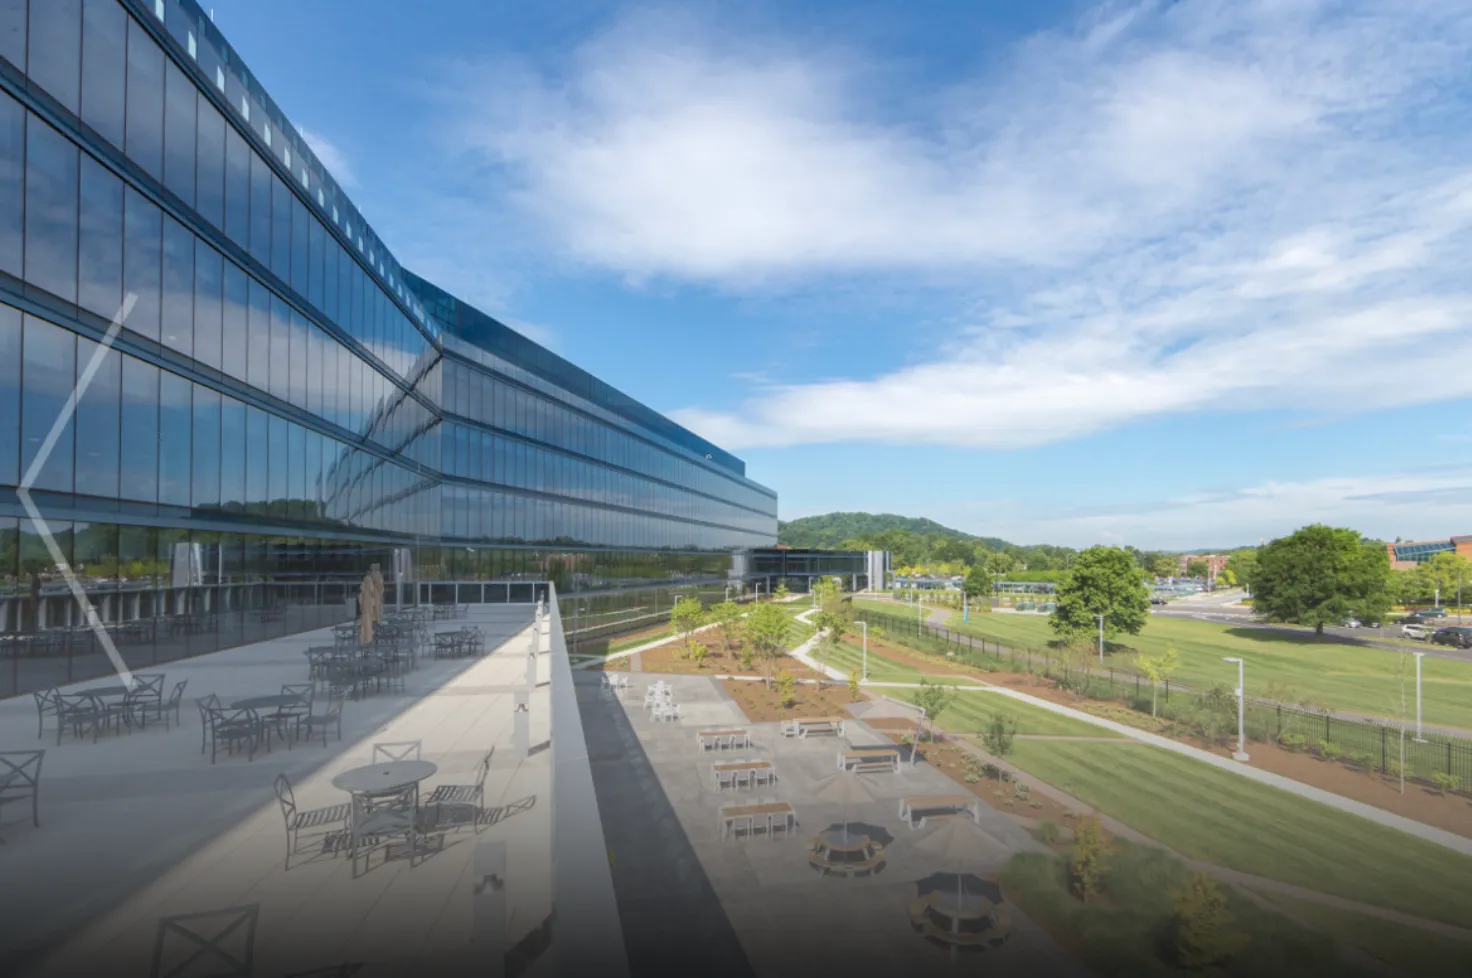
(869, 760)
(719, 739)
(937, 806)
(772, 813)
(734, 772)
(803, 726)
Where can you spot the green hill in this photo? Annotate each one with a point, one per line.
(831, 529)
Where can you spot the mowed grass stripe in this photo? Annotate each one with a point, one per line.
(971, 712)
(846, 658)
(1231, 821)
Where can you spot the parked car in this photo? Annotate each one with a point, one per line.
(1414, 618)
(1350, 623)
(1456, 636)
(1416, 630)
(1432, 612)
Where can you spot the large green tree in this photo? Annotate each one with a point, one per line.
(1242, 564)
(1103, 581)
(1197, 568)
(1319, 576)
(1438, 578)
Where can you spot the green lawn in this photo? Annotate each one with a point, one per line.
(624, 644)
(848, 657)
(1345, 677)
(1126, 934)
(1231, 821)
(970, 713)
(1407, 950)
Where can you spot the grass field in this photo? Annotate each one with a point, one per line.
(971, 712)
(848, 657)
(1407, 950)
(1240, 824)
(1125, 933)
(1347, 678)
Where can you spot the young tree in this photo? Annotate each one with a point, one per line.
(1203, 924)
(697, 654)
(786, 689)
(1321, 575)
(1159, 668)
(782, 594)
(830, 625)
(1074, 658)
(727, 616)
(855, 686)
(1103, 581)
(766, 630)
(978, 583)
(933, 698)
(1090, 846)
(687, 616)
(1000, 731)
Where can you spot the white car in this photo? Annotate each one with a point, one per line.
(1416, 631)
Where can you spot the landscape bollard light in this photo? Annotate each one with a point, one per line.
(1241, 753)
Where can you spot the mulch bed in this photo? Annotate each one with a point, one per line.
(760, 702)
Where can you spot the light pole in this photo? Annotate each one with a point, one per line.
(1419, 656)
(1241, 752)
(965, 605)
(1101, 638)
(865, 626)
(919, 608)
(1435, 597)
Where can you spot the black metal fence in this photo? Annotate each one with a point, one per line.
(1364, 743)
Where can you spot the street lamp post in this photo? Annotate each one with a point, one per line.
(1241, 752)
(1419, 656)
(965, 605)
(1101, 638)
(865, 626)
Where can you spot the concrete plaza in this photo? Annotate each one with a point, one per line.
(140, 827)
(691, 902)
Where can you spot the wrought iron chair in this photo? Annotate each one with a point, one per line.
(77, 711)
(330, 718)
(220, 943)
(206, 704)
(163, 709)
(376, 820)
(20, 780)
(331, 820)
(461, 804)
(46, 706)
(398, 750)
(237, 727)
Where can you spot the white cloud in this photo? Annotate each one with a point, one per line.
(1429, 504)
(1205, 206)
(331, 157)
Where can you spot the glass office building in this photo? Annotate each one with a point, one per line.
(283, 405)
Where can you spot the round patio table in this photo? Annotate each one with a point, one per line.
(384, 779)
(275, 701)
(102, 692)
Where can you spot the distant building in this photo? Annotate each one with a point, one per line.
(1215, 564)
(1406, 555)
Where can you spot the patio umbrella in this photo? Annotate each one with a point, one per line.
(847, 790)
(986, 894)
(960, 840)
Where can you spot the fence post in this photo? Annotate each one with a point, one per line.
(1382, 750)
(1448, 758)
(1280, 722)
(1167, 690)
(1326, 727)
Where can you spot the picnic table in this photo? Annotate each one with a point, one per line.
(769, 812)
(737, 771)
(835, 853)
(722, 738)
(941, 805)
(870, 759)
(803, 726)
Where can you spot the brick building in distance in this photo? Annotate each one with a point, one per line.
(1405, 555)
(1215, 563)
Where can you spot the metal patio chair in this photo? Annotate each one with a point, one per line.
(330, 718)
(461, 804)
(398, 750)
(20, 780)
(46, 706)
(220, 943)
(331, 820)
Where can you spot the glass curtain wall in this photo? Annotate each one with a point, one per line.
(284, 406)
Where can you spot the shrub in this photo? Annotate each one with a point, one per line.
(1363, 760)
(786, 687)
(1293, 741)
(1049, 833)
(1446, 783)
(1329, 750)
(1037, 804)
(972, 779)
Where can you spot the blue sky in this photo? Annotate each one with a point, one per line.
(1173, 274)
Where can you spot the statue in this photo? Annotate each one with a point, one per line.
(370, 605)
